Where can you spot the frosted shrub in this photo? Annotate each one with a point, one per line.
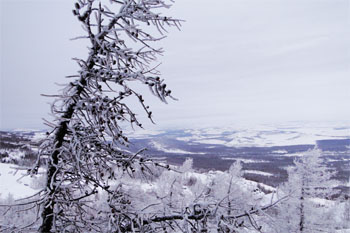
(12, 156)
(12, 216)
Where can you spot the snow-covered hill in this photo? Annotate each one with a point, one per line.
(265, 150)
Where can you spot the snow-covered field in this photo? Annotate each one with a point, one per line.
(229, 142)
(259, 173)
(245, 136)
(14, 182)
(164, 148)
(268, 135)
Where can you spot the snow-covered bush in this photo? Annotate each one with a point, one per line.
(13, 156)
(13, 216)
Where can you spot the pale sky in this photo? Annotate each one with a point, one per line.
(233, 61)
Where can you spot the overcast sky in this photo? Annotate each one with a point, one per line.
(234, 61)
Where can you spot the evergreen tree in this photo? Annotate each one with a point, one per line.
(309, 185)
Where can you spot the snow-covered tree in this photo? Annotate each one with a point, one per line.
(309, 186)
(210, 202)
(93, 184)
(83, 149)
(344, 204)
(346, 213)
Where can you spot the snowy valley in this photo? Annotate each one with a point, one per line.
(253, 163)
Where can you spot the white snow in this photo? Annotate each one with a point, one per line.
(211, 141)
(245, 160)
(25, 130)
(161, 147)
(193, 137)
(14, 182)
(258, 172)
(142, 133)
(38, 136)
(280, 152)
(268, 135)
(293, 155)
(228, 158)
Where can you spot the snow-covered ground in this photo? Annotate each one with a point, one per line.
(163, 148)
(14, 182)
(245, 136)
(245, 160)
(258, 173)
(268, 135)
(142, 133)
